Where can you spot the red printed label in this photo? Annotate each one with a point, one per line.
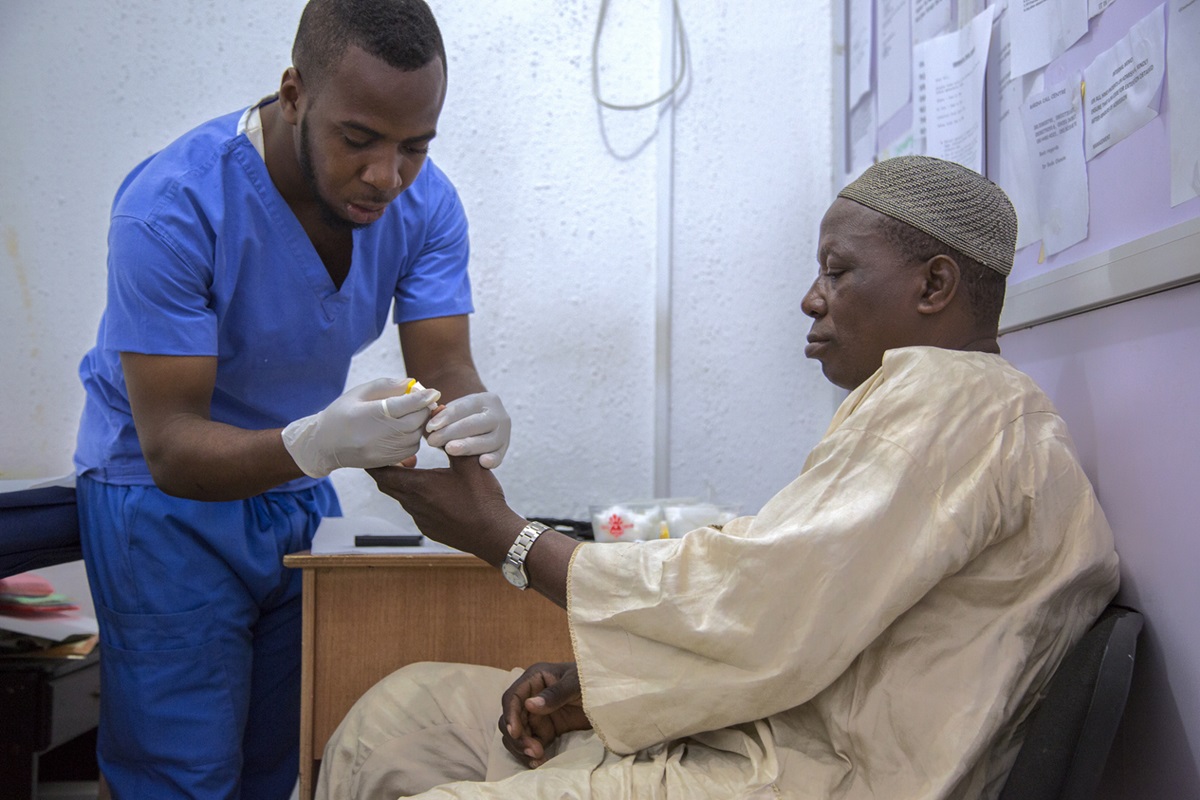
(617, 526)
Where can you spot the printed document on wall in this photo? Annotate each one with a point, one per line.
(893, 57)
(862, 132)
(1054, 126)
(948, 77)
(859, 50)
(1124, 84)
(902, 145)
(1183, 98)
(969, 9)
(1042, 30)
(1013, 167)
(930, 18)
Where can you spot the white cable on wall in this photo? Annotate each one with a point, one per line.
(674, 63)
(678, 43)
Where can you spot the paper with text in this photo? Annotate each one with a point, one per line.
(1015, 169)
(969, 9)
(1042, 30)
(930, 18)
(902, 146)
(1183, 98)
(893, 57)
(858, 66)
(862, 132)
(1124, 84)
(948, 74)
(1054, 126)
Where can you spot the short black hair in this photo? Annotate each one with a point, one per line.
(402, 33)
(985, 286)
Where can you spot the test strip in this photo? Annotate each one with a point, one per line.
(415, 385)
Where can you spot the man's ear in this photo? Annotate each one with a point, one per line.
(291, 90)
(943, 279)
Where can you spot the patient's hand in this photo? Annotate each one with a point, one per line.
(461, 506)
(540, 706)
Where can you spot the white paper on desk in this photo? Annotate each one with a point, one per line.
(21, 484)
(56, 629)
(1054, 125)
(1042, 30)
(335, 535)
(1015, 169)
(1183, 95)
(1124, 84)
(948, 85)
(1096, 6)
(893, 57)
(930, 18)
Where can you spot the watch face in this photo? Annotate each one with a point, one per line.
(514, 574)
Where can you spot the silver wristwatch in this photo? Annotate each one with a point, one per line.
(514, 563)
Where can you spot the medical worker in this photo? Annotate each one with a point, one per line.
(248, 262)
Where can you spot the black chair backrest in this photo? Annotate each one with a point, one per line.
(1067, 743)
(38, 528)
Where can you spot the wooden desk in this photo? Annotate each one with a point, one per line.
(43, 703)
(367, 615)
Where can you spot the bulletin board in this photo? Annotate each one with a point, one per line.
(1137, 242)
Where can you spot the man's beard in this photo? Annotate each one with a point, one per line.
(329, 215)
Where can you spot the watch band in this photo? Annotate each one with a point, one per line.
(514, 563)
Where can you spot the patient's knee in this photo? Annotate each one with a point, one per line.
(422, 725)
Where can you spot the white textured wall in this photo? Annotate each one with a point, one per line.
(753, 176)
(566, 215)
(563, 246)
(87, 90)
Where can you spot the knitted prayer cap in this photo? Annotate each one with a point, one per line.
(953, 204)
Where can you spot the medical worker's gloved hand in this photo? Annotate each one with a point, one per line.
(372, 425)
(473, 425)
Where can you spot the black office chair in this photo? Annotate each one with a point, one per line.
(38, 528)
(1072, 730)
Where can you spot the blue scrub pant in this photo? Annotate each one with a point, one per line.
(200, 638)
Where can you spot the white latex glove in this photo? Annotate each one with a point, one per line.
(473, 425)
(372, 425)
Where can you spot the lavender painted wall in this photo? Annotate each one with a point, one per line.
(1125, 378)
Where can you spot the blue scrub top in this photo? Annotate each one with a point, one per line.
(205, 258)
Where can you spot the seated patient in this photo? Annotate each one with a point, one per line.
(881, 629)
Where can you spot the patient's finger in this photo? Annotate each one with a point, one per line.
(513, 745)
(556, 695)
(513, 700)
(529, 750)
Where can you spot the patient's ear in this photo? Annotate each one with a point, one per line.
(942, 280)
